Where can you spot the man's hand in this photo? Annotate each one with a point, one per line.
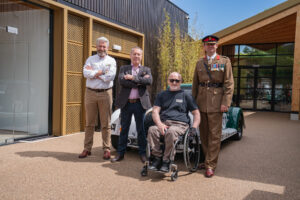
(192, 131)
(162, 128)
(99, 73)
(128, 77)
(88, 68)
(146, 76)
(224, 108)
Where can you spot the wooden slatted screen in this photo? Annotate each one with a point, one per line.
(125, 40)
(75, 41)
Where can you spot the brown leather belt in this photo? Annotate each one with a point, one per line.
(216, 85)
(99, 90)
(133, 100)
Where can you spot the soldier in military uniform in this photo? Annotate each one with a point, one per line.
(213, 89)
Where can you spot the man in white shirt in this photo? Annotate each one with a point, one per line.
(99, 71)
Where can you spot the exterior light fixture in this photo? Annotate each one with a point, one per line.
(116, 47)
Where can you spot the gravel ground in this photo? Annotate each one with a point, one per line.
(263, 165)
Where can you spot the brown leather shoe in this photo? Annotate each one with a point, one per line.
(118, 158)
(209, 173)
(106, 155)
(143, 158)
(84, 154)
(201, 166)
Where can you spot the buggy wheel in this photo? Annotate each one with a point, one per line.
(174, 175)
(239, 133)
(191, 152)
(115, 141)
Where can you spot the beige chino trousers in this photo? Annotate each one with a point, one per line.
(175, 129)
(97, 102)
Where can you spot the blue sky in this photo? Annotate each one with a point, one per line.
(212, 16)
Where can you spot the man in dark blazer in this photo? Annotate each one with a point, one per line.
(133, 99)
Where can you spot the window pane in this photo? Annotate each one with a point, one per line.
(246, 93)
(286, 72)
(246, 104)
(247, 72)
(235, 89)
(283, 83)
(265, 72)
(235, 80)
(235, 71)
(283, 99)
(263, 94)
(264, 83)
(263, 105)
(257, 61)
(284, 61)
(24, 70)
(287, 48)
(247, 83)
(261, 49)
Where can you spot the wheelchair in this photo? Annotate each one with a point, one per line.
(186, 144)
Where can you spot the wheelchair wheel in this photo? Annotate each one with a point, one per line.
(148, 151)
(148, 121)
(191, 152)
(174, 175)
(144, 171)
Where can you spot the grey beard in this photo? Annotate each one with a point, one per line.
(102, 54)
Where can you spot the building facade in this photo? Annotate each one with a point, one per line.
(140, 15)
(265, 54)
(43, 46)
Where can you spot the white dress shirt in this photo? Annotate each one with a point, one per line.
(212, 57)
(108, 66)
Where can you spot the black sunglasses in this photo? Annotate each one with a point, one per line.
(172, 80)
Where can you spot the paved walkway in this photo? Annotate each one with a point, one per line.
(264, 165)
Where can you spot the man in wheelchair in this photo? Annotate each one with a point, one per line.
(170, 115)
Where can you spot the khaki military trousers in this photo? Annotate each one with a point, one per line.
(210, 135)
(97, 102)
(175, 129)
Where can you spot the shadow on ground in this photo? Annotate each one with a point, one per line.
(131, 167)
(65, 156)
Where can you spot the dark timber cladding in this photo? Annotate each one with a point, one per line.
(144, 16)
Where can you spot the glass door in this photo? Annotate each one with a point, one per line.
(263, 75)
(256, 85)
(24, 70)
(263, 84)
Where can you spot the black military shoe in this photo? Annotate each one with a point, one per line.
(155, 164)
(165, 166)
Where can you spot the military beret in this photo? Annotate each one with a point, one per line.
(210, 39)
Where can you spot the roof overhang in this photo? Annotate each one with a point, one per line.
(277, 24)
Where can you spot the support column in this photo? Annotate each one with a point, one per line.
(296, 68)
(57, 71)
(64, 70)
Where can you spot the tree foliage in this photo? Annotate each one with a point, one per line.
(177, 51)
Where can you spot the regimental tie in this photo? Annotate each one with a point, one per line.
(210, 61)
